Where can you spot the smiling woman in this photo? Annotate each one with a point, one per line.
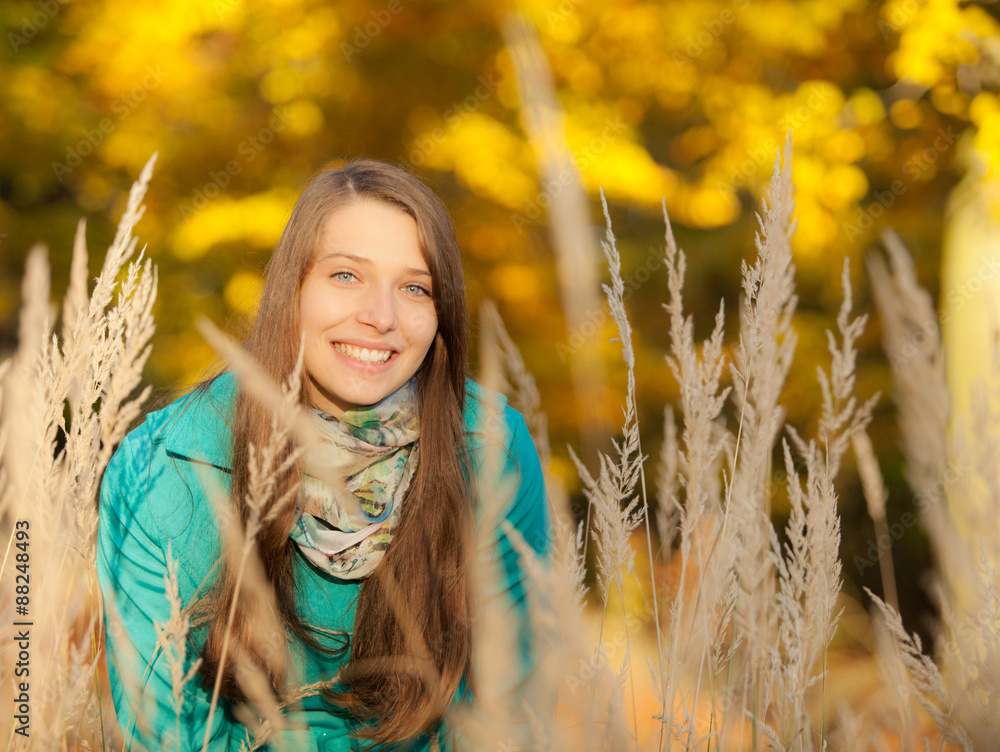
(370, 574)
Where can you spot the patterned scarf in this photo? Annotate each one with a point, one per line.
(346, 528)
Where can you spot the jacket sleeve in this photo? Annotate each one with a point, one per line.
(507, 656)
(527, 513)
(131, 564)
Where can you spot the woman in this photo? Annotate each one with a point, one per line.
(367, 275)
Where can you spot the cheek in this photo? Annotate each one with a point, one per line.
(313, 351)
(318, 310)
(421, 325)
(428, 329)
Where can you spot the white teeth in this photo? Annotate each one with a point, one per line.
(362, 354)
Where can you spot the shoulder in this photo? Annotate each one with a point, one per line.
(491, 421)
(190, 423)
(487, 417)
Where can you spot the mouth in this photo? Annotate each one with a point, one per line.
(364, 355)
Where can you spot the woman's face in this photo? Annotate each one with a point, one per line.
(366, 307)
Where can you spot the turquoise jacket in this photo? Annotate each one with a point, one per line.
(152, 497)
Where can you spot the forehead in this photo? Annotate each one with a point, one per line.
(372, 229)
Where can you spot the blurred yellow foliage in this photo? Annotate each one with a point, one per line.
(864, 107)
(242, 292)
(305, 117)
(935, 37)
(189, 356)
(483, 153)
(257, 220)
(516, 283)
(906, 114)
(847, 185)
(987, 143)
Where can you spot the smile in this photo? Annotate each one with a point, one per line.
(363, 354)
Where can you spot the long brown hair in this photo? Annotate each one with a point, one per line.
(426, 568)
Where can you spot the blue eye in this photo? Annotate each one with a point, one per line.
(342, 276)
(416, 289)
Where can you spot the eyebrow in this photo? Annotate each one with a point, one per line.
(368, 262)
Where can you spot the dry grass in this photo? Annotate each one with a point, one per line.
(66, 406)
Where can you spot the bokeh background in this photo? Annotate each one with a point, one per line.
(891, 107)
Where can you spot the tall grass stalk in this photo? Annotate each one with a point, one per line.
(701, 402)
(173, 636)
(762, 359)
(576, 256)
(875, 500)
(959, 691)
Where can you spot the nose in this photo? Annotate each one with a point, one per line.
(378, 309)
